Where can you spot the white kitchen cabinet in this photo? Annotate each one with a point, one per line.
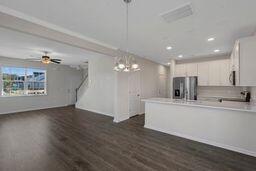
(235, 62)
(191, 69)
(225, 72)
(203, 73)
(180, 70)
(183, 70)
(219, 72)
(243, 60)
(247, 61)
(210, 73)
(214, 73)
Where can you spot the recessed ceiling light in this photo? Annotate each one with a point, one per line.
(168, 48)
(211, 39)
(180, 56)
(216, 50)
(168, 63)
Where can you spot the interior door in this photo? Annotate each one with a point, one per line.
(134, 93)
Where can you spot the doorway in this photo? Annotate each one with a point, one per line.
(134, 94)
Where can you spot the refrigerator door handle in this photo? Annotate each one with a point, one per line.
(181, 90)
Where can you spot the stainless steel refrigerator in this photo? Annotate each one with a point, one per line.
(185, 88)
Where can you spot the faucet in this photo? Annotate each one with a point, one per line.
(246, 95)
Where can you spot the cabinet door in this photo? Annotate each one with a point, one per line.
(180, 70)
(191, 69)
(232, 63)
(236, 61)
(225, 72)
(214, 73)
(203, 73)
(248, 61)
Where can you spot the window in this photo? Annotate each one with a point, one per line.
(23, 81)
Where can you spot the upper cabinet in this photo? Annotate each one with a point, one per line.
(183, 70)
(191, 69)
(235, 62)
(203, 73)
(245, 51)
(220, 72)
(210, 73)
(225, 72)
(180, 70)
(214, 73)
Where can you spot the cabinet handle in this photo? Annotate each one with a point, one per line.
(231, 78)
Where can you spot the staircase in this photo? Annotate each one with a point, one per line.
(83, 86)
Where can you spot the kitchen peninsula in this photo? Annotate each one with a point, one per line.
(228, 125)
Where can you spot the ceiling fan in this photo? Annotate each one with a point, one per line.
(46, 59)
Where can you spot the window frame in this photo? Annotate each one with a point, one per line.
(25, 81)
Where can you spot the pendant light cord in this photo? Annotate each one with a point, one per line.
(127, 27)
(127, 34)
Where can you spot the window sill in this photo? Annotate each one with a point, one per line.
(37, 95)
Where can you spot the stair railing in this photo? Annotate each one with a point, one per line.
(80, 85)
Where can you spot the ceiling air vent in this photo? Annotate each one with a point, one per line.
(178, 13)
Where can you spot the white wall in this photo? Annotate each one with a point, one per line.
(108, 91)
(151, 84)
(99, 96)
(121, 97)
(61, 83)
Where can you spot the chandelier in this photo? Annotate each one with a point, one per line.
(126, 63)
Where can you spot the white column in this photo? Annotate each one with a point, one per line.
(172, 70)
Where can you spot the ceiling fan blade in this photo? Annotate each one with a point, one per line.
(56, 59)
(56, 62)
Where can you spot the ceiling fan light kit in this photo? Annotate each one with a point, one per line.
(126, 63)
(45, 59)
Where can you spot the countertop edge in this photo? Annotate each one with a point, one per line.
(198, 105)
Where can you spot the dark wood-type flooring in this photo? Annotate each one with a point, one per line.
(67, 139)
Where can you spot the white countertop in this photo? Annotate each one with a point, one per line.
(236, 106)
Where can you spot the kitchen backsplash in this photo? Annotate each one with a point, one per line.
(212, 91)
(253, 91)
(230, 92)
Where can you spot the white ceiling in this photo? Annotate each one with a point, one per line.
(226, 20)
(15, 44)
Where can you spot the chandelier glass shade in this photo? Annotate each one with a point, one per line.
(126, 63)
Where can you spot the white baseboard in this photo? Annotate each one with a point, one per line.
(31, 109)
(95, 111)
(209, 142)
(121, 119)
